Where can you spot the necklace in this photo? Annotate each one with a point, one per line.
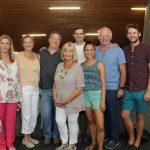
(64, 70)
(63, 73)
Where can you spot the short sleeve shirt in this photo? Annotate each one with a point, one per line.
(112, 58)
(137, 67)
(66, 82)
(48, 64)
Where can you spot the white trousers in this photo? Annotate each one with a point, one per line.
(61, 118)
(29, 108)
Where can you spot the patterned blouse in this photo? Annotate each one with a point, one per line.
(10, 90)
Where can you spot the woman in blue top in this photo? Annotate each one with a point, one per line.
(94, 92)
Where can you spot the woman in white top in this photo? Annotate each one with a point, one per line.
(10, 93)
(29, 76)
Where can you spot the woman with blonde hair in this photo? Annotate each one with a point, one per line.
(10, 93)
(29, 65)
(68, 96)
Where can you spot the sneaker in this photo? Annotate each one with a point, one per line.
(56, 140)
(28, 144)
(62, 147)
(34, 141)
(111, 144)
(47, 141)
(72, 147)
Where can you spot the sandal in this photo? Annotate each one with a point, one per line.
(91, 147)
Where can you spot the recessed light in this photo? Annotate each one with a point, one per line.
(35, 34)
(138, 8)
(61, 8)
(91, 34)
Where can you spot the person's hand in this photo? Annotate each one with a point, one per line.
(57, 101)
(103, 106)
(18, 106)
(115, 45)
(147, 96)
(63, 102)
(120, 93)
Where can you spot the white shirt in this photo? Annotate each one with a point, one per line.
(80, 53)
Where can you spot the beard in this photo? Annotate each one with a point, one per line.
(135, 41)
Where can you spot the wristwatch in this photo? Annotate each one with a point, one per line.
(122, 88)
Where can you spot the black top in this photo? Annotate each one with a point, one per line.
(48, 64)
(137, 67)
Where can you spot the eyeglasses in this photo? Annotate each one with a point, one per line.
(63, 73)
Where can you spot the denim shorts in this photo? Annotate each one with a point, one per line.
(92, 99)
(134, 100)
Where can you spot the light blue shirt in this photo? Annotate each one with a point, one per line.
(112, 58)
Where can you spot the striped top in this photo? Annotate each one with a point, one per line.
(92, 77)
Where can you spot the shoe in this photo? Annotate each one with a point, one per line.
(72, 147)
(128, 146)
(56, 140)
(28, 144)
(111, 144)
(62, 147)
(47, 141)
(106, 140)
(34, 141)
(12, 148)
(134, 148)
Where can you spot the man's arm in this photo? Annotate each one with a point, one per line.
(147, 93)
(122, 68)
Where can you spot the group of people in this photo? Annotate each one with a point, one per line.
(79, 83)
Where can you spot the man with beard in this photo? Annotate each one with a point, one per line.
(137, 89)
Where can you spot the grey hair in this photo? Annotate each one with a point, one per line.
(110, 32)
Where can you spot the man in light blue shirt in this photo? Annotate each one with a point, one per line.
(114, 61)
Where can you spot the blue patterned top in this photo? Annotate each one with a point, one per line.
(92, 77)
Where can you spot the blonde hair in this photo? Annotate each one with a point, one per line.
(11, 50)
(25, 37)
(70, 46)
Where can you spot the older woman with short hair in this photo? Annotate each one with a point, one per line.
(68, 96)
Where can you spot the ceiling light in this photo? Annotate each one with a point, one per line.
(91, 34)
(60, 8)
(138, 8)
(35, 34)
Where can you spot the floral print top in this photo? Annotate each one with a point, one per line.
(10, 90)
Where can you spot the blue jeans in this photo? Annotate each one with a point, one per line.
(49, 125)
(112, 116)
